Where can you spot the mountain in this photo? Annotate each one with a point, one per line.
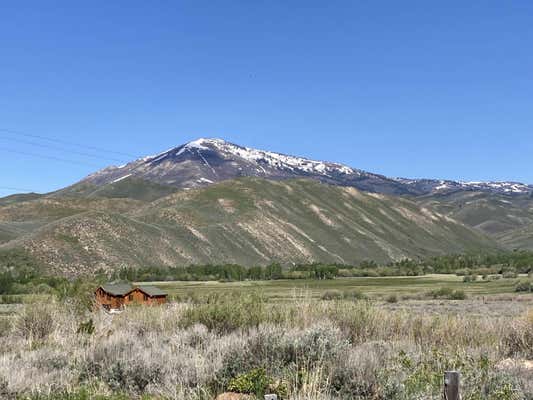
(248, 221)
(211, 201)
(206, 161)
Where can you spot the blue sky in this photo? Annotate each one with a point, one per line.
(414, 89)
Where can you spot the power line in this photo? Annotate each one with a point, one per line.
(66, 160)
(47, 146)
(64, 142)
(17, 188)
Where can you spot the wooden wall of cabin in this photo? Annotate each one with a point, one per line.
(136, 296)
(110, 300)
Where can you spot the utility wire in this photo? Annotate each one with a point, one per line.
(64, 142)
(48, 146)
(17, 188)
(66, 160)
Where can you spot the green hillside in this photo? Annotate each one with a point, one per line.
(131, 188)
(246, 221)
(507, 219)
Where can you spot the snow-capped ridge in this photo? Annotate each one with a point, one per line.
(449, 185)
(210, 160)
(273, 159)
(261, 158)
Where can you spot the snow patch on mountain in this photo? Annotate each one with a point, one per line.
(195, 144)
(272, 159)
(121, 178)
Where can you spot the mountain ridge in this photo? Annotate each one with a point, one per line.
(208, 160)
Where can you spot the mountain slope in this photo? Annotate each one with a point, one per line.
(507, 219)
(250, 221)
(18, 219)
(127, 188)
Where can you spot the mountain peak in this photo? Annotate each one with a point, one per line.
(201, 142)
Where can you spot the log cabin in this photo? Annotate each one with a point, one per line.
(115, 296)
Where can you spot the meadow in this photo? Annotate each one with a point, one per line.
(376, 287)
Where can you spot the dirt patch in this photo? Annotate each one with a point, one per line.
(227, 205)
(320, 214)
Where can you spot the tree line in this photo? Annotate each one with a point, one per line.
(22, 274)
(461, 264)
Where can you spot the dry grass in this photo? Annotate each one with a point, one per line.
(313, 349)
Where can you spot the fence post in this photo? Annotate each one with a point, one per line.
(451, 385)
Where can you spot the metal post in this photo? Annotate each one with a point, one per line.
(451, 385)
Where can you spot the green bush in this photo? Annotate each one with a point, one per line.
(86, 327)
(254, 382)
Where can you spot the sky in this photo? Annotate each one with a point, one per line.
(410, 89)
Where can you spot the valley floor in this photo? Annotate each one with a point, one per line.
(380, 287)
(220, 339)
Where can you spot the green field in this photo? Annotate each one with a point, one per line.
(373, 287)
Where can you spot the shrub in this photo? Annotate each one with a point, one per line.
(35, 322)
(519, 337)
(332, 295)
(254, 382)
(133, 376)
(5, 326)
(458, 295)
(509, 275)
(443, 292)
(391, 298)
(524, 286)
(354, 295)
(359, 374)
(447, 293)
(86, 327)
(469, 278)
(318, 344)
(359, 321)
(227, 313)
(81, 394)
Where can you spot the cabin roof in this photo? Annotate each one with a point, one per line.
(117, 289)
(152, 291)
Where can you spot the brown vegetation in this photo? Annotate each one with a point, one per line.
(336, 349)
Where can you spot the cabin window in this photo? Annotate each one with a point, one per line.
(145, 297)
(130, 297)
